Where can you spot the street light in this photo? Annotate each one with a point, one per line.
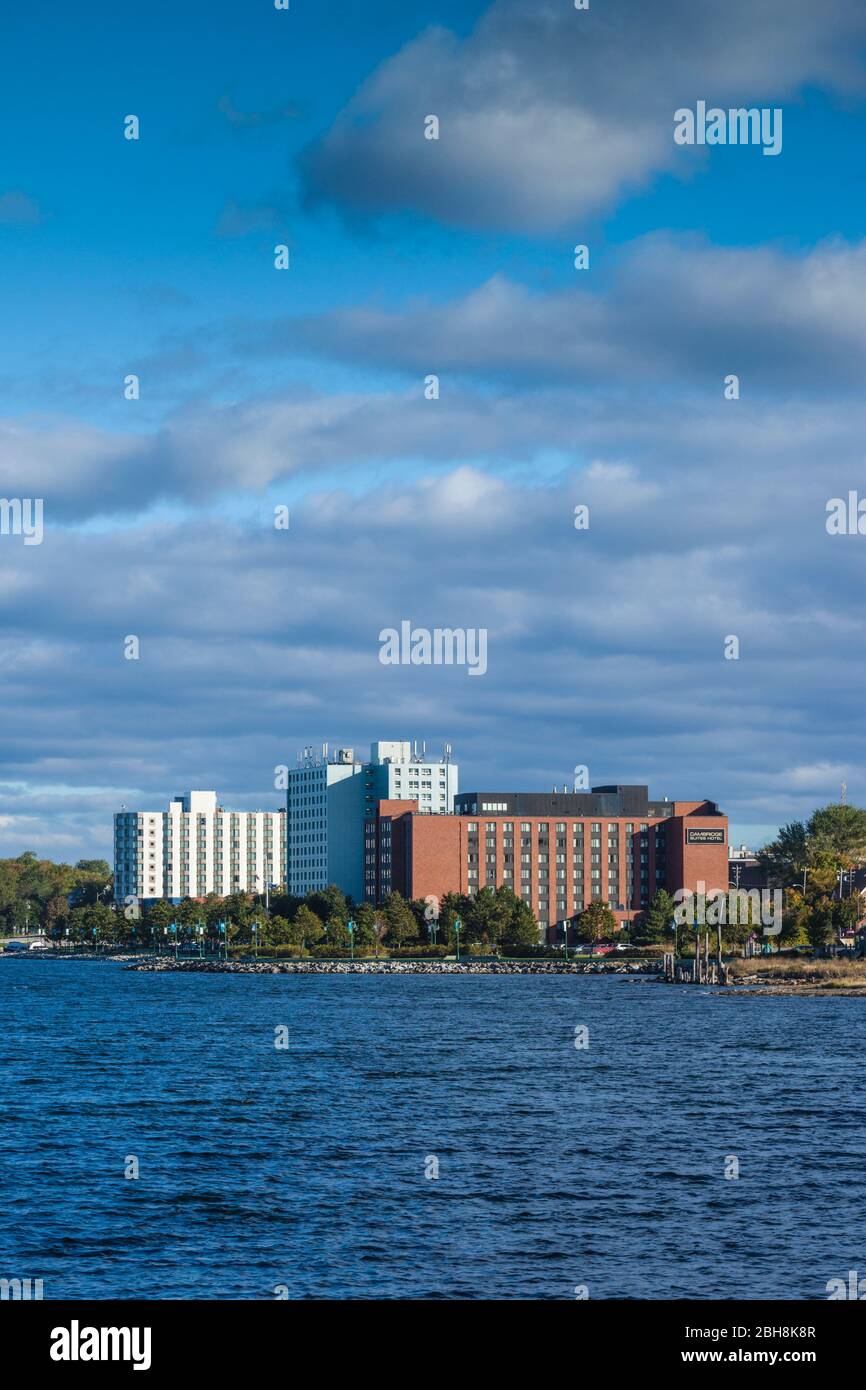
(350, 928)
(457, 925)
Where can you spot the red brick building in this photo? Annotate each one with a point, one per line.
(558, 851)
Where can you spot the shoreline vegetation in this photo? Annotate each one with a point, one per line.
(799, 975)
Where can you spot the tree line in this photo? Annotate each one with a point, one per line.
(815, 862)
(319, 921)
(34, 892)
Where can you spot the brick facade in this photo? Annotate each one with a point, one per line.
(558, 862)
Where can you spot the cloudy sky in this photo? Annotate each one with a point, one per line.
(305, 388)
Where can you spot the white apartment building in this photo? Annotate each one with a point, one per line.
(195, 848)
(330, 797)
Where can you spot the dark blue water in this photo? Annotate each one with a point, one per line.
(306, 1167)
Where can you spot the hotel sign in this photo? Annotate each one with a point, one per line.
(705, 837)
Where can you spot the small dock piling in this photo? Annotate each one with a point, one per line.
(698, 969)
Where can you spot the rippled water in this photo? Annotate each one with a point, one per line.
(305, 1167)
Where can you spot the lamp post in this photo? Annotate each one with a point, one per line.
(256, 940)
(350, 928)
(457, 925)
(224, 935)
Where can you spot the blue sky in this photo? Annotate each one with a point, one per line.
(306, 387)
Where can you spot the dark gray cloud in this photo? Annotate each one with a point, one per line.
(605, 646)
(662, 310)
(548, 114)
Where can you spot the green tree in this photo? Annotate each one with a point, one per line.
(655, 925)
(785, 859)
(239, 908)
(521, 927)
(400, 922)
(795, 913)
(820, 928)
(327, 903)
(56, 915)
(336, 932)
(595, 923)
(452, 906)
(365, 918)
(487, 917)
(160, 914)
(843, 830)
(307, 928)
(278, 931)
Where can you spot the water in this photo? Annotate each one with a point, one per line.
(305, 1167)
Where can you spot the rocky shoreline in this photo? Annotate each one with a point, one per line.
(387, 967)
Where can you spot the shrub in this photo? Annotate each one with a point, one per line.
(539, 952)
(341, 952)
(436, 952)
